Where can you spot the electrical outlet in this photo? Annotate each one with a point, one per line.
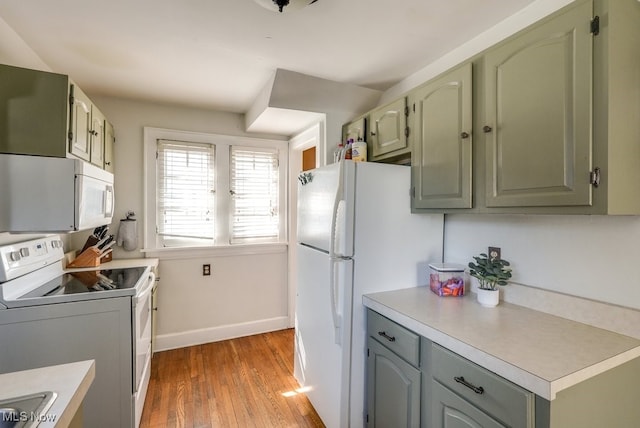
(494, 253)
(206, 270)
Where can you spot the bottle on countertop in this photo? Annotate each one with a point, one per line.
(359, 151)
(348, 150)
(338, 153)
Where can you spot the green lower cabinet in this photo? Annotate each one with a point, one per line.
(451, 411)
(434, 387)
(393, 389)
(465, 392)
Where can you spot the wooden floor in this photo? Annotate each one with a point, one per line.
(245, 382)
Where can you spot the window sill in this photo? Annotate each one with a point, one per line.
(220, 250)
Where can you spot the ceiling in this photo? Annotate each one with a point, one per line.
(219, 54)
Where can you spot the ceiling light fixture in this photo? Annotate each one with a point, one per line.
(279, 5)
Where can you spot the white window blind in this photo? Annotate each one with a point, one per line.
(255, 209)
(185, 191)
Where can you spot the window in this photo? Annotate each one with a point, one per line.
(185, 199)
(254, 194)
(205, 190)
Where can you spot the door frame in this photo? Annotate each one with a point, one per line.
(313, 136)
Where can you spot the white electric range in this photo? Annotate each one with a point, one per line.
(51, 317)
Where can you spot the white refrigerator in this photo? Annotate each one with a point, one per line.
(356, 235)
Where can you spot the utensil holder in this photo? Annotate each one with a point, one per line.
(91, 241)
(88, 258)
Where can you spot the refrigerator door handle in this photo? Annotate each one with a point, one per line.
(333, 295)
(338, 207)
(339, 237)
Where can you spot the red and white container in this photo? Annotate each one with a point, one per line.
(447, 279)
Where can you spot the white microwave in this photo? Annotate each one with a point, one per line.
(44, 194)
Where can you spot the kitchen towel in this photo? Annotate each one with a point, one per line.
(127, 233)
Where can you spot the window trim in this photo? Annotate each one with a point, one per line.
(223, 213)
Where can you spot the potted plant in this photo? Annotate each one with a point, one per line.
(490, 272)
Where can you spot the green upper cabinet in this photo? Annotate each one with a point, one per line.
(109, 142)
(356, 130)
(556, 120)
(388, 131)
(87, 129)
(33, 112)
(98, 135)
(538, 115)
(442, 141)
(80, 124)
(46, 114)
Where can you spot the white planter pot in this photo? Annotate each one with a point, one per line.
(488, 298)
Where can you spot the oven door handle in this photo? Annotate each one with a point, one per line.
(151, 282)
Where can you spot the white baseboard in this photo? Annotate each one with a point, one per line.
(165, 342)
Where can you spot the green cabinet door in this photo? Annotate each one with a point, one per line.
(33, 112)
(80, 124)
(538, 117)
(393, 389)
(98, 134)
(109, 142)
(442, 123)
(388, 130)
(451, 411)
(355, 130)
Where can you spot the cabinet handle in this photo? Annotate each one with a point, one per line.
(487, 128)
(107, 163)
(373, 133)
(476, 389)
(464, 135)
(386, 336)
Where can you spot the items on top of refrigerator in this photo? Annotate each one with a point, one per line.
(446, 279)
(354, 150)
(359, 151)
(338, 153)
(348, 149)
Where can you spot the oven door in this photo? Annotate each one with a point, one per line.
(142, 345)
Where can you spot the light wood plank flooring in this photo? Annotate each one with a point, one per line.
(245, 382)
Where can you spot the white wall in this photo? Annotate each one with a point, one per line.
(14, 51)
(587, 256)
(245, 294)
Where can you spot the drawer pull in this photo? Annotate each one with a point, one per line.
(476, 389)
(386, 336)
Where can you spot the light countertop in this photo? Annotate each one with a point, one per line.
(542, 353)
(69, 381)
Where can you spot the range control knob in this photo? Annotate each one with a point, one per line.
(24, 252)
(14, 256)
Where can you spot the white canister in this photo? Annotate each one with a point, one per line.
(359, 151)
